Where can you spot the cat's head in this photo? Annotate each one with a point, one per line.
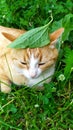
(32, 62)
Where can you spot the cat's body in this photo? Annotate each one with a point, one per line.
(26, 66)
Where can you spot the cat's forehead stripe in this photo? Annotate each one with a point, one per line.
(33, 61)
(36, 53)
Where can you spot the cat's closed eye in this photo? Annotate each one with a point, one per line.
(40, 64)
(23, 63)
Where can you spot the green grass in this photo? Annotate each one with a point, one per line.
(51, 109)
(28, 109)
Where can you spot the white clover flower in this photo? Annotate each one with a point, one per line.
(61, 77)
(36, 105)
(4, 16)
(71, 69)
(62, 42)
(72, 101)
(50, 11)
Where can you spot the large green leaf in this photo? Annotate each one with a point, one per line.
(37, 37)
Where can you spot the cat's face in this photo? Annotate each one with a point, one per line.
(32, 62)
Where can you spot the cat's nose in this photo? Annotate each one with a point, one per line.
(33, 74)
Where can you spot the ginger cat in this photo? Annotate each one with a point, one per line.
(26, 66)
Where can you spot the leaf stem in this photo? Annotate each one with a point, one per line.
(50, 20)
(6, 104)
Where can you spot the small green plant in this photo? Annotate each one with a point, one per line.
(69, 63)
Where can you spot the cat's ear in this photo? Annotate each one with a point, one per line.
(11, 37)
(55, 36)
(3, 44)
(11, 33)
(8, 36)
